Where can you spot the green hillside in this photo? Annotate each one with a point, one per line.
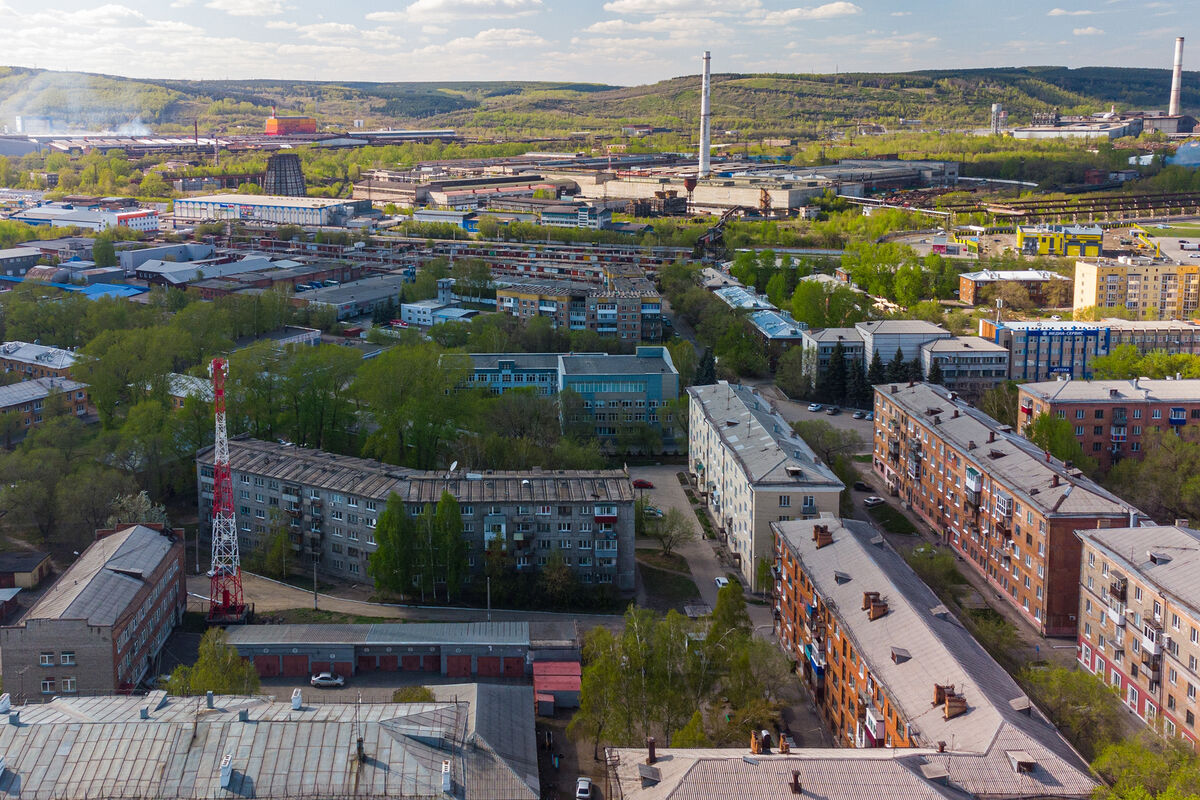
(752, 104)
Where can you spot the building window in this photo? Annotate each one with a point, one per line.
(46, 659)
(47, 685)
(68, 686)
(785, 501)
(68, 658)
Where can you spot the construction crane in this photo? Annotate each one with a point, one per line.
(225, 595)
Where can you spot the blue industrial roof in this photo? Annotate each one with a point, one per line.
(91, 292)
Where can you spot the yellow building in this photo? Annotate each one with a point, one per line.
(1152, 289)
(1081, 241)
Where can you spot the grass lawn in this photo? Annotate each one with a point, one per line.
(1177, 231)
(892, 520)
(665, 590)
(656, 558)
(862, 458)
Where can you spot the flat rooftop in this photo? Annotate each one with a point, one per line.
(390, 634)
(269, 200)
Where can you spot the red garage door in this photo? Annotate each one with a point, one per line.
(433, 663)
(389, 663)
(514, 667)
(320, 666)
(488, 666)
(411, 663)
(458, 666)
(343, 668)
(266, 666)
(366, 663)
(294, 666)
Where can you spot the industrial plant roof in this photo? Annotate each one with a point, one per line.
(741, 297)
(76, 748)
(963, 344)
(398, 633)
(102, 583)
(762, 441)
(1167, 556)
(37, 355)
(37, 389)
(363, 289)
(372, 479)
(19, 252)
(270, 200)
(1137, 390)
(937, 650)
(988, 275)
(1016, 464)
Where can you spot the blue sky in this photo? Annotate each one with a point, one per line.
(607, 41)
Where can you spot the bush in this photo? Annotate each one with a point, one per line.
(413, 694)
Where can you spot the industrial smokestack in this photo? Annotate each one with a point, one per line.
(705, 121)
(1176, 78)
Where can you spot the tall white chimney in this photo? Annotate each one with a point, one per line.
(705, 121)
(1176, 78)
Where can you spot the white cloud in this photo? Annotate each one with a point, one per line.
(457, 10)
(247, 8)
(901, 13)
(181, 3)
(1062, 12)
(689, 8)
(1090, 30)
(826, 11)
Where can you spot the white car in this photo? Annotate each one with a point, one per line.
(324, 679)
(814, 406)
(583, 789)
(721, 582)
(873, 501)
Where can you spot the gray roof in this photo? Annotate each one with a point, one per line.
(1178, 577)
(544, 361)
(777, 324)
(1138, 390)
(942, 651)
(762, 441)
(1018, 465)
(375, 480)
(885, 327)
(990, 275)
(460, 633)
(847, 336)
(647, 361)
(963, 344)
(100, 747)
(363, 289)
(19, 252)
(102, 582)
(37, 389)
(742, 297)
(22, 561)
(38, 355)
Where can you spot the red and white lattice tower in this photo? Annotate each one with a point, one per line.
(225, 597)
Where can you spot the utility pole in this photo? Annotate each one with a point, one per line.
(314, 560)
(489, 598)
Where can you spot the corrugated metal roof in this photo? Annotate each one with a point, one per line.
(1175, 568)
(388, 633)
(103, 581)
(99, 747)
(37, 389)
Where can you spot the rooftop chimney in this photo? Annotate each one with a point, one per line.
(14, 718)
(650, 756)
(706, 118)
(447, 778)
(209, 698)
(1176, 78)
(226, 770)
(297, 699)
(796, 788)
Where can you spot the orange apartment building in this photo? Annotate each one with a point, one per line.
(1003, 504)
(887, 663)
(1111, 418)
(36, 360)
(1140, 621)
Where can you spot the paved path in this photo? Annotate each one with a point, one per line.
(269, 596)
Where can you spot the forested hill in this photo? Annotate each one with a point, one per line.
(751, 104)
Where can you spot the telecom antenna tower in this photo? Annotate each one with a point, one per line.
(225, 596)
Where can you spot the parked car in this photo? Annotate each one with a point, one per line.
(814, 406)
(859, 486)
(721, 581)
(833, 411)
(583, 789)
(642, 483)
(654, 511)
(873, 501)
(324, 679)
(859, 414)
(870, 417)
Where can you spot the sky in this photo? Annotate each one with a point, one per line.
(624, 42)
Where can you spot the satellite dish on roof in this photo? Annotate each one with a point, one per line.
(453, 466)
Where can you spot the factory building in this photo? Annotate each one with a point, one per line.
(472, 741)
(275, 209)
(1070, 241)
(1111, 418)
(1002, 503)
(333, 502)
(286, 126)
(99, 629)
(356, 298)
(16, 261)
(1034, 281)
(752, 469)
(66, 215)
(1139, 614)
(890, 667)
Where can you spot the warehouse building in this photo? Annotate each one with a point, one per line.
(1112, 418)
(472, 741)
(455, 650)
(888, 336)
(333, 502)
(16, 261)
(66, 215)
(356, 298)
(1069, 241)
(276, 209)
(1005, 505)
(752, 469)
(890, 667)
(101, 626)
(1139, 616)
